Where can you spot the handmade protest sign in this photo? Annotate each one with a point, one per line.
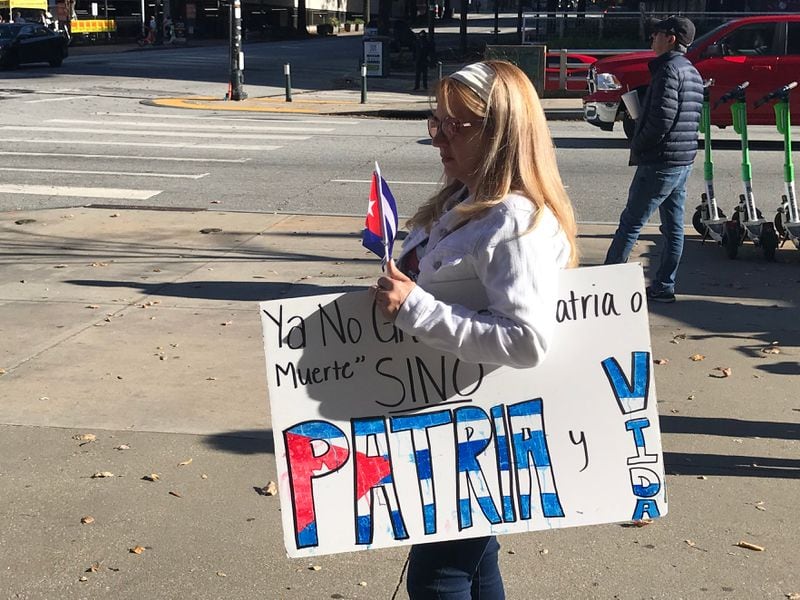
(382, 441)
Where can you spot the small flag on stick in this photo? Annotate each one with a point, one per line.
(380, 228)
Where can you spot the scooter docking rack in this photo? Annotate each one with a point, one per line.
(787, 219)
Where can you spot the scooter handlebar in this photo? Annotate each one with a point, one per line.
(736, 93)
(781, 92)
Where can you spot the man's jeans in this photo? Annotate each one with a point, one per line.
(654, 187)
(455, 570)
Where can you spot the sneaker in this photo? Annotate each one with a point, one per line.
(662, 296)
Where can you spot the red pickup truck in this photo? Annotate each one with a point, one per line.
(764, 50)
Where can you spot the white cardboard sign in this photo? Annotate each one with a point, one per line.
(382, 441)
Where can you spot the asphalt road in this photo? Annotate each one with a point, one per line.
(79, 135)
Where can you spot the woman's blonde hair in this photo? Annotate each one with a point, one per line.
(517, 148)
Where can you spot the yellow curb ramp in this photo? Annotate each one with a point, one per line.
(248, 105)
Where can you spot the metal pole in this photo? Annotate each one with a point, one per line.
(439, 69)
(287, 71)
(363, 83)
(237, 56)
(144, 22)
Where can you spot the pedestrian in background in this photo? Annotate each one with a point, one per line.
(504, 221)
(18, 18)
(663, 149)
(423, 53)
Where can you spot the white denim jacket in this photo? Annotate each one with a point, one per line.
(518, 272)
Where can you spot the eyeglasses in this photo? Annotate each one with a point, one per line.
(449, 126)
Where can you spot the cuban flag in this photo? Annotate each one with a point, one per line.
(380, 228)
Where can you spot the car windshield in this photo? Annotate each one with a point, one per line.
(702, 39)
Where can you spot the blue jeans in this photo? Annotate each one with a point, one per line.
(455, 570)
(654, 188)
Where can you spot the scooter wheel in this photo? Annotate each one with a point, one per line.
(769, 241)
(731, 239)
(697, 222)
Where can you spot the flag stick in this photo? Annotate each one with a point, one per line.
(384, 233)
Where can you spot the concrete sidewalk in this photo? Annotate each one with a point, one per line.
(138, 328)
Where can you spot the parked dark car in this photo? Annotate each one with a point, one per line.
(22, 43)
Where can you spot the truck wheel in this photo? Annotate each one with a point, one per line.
(628, 126)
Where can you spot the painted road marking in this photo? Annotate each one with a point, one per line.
(186, 134)
(241, 147)
(115, 173)
(82, 192)
(186, 126)
(390, 182)
(129, 157)
(58, 99)
(281, 119)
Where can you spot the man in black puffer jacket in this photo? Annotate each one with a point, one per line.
(663, 149)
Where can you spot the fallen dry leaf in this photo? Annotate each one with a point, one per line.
(151, 477)
(188, 461)
(85, 437)
(314, 568)
(362, 583)
(793, 596)
(122, 447)
(270, 489)
(771, 350)
(221, 574)
(676, 339)
(660, 361)
(92, 306)
(689, 543)
(203, 476)
(696, 357)
(102, 474)
(726, 371)
(136, 550)
(2, 371)
(176, 494)
(59, 266)
(749, 546)
(83, 578)
(87, 520)
(641, 522)
(94, 567)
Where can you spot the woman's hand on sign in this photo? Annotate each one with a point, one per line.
(391, 291)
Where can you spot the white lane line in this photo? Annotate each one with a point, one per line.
(281, 119)
(391, 182)
(129, 157)
(61, 99)
(187, 126)
(83, 192)
(114, 173)
(240, 147)
(187, 134)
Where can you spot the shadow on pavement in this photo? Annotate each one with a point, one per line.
(238, 291)
(729, 427)
(678, 463)
(246, 442)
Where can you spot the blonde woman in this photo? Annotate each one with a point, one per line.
(503, 219)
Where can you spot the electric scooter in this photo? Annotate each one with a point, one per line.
(708, 220)
(787, 219)
(747, 221)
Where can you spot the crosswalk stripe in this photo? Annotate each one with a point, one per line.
(115, 173)
(128, 157)
(57, 99)
(186, 134)
(240, 147)
(196, 126)
(82, 192)
(199, 118)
